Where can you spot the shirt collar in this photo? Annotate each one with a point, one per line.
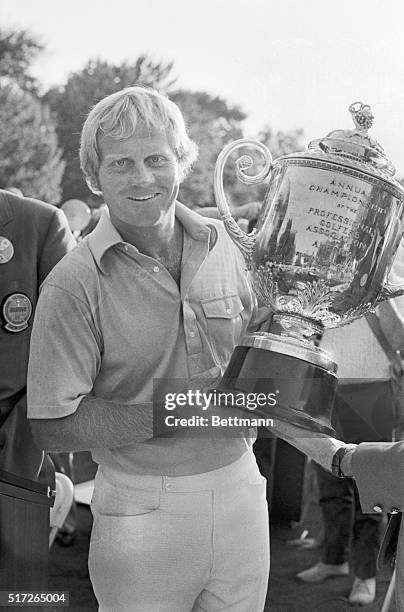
(6, 212)
(196, 226)
(105, 235)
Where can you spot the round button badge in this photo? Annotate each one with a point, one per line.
(17, 310)
(6, 250)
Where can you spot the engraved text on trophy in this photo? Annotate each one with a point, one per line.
(323, 242)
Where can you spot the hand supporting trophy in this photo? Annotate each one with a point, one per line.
(320, 257)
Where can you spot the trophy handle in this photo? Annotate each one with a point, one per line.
(389, 291)
(394, 289)
(245, 242)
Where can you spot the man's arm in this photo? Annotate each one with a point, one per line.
(378, 469)
(97, 423)
(319, 447)
(65, 357)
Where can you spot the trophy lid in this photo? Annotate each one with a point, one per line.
(357, 145)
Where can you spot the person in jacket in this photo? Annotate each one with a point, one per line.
(34, 236)
(378, 469)
(363, 412)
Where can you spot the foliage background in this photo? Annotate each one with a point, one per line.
(41, 129)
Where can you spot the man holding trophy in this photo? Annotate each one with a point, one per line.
(157, 294)
(154, 297)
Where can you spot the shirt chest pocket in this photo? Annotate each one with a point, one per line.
(224, 323)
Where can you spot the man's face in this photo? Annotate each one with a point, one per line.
(139, 177)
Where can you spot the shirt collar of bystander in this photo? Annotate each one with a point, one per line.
(6, 212)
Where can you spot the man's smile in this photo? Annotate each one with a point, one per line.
(143, 198)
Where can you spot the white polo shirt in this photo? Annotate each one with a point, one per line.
(112, 322)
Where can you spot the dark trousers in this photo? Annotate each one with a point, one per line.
(348, 533)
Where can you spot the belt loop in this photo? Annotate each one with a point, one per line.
(168, 484)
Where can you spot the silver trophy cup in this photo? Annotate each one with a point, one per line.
(327, 234)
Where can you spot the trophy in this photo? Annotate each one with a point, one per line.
(320, 257)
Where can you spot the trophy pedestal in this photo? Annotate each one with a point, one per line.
(300, 378)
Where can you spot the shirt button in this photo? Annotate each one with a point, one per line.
(192, 334)
(377, 509)
(126, 248)
(169, 487)
(228, 310)
(156, 269)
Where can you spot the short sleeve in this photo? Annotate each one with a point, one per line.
(65, 354)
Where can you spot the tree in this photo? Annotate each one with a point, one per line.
(29, 154)
(17, 52)
(280, 142)
(72, 102)
(211, 123)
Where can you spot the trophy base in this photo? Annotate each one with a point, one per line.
(300, 377)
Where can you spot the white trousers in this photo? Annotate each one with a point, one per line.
(181, 544)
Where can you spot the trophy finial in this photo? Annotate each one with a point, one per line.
(356, 144)
(362, 116)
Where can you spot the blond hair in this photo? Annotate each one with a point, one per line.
(118, 115)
